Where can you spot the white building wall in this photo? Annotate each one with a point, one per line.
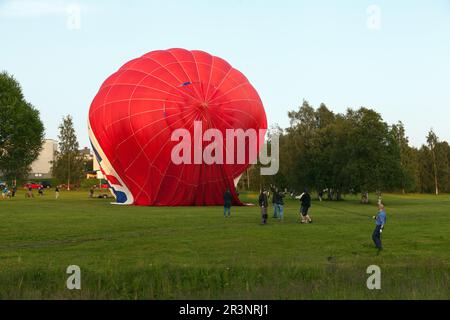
(41, 167)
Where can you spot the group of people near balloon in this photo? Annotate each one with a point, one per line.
(305, 205)
(277, 203)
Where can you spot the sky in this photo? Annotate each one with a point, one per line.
(392, 56)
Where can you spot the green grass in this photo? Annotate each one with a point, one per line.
(194, 253)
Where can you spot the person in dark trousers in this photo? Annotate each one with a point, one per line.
(274, 201)
(380, 221)
(320, 195)
(227, 199)
(279, 203)
(14, 190)
(263, 203)
(305, 201)
(41, 191)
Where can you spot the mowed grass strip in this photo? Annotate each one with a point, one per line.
(195, 253)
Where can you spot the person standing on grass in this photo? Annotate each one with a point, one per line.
(30, 194)
(320, 195)
(305, 201)
(274, 201)
(5, 192)
(380, 221)
(56, 192)
(263, 203)
(41, 191)
(227, 199)
(14, 190)
(279, 204)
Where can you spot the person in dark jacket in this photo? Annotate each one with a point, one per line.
(305, 201)
(263, 203)
(227, 199)
(274, 201)
(320, 193)
(279, 203)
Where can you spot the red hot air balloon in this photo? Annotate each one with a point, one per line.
(134, 115)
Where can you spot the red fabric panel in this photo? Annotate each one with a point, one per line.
(113, 180)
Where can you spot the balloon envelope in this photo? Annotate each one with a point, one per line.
(134, 115)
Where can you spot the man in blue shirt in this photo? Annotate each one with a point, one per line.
(380, 221)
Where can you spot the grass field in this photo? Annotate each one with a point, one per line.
(195, 253)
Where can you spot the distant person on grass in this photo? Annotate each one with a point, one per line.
(14, 190)
(305, 204)
(56, 192)
(30, 194)
(279, 203)
(380, 221)
(227, 199)
(5, 192)
(274, 201)
(41, 191)
(263, 203)
(320, 195)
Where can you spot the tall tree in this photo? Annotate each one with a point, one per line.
(432, 141)
(21, 130)
(373, 154)
(408, 159)
(68, 166)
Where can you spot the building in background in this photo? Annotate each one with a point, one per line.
(41, 168)
(87, 155)
(99, 174)
(88, 163)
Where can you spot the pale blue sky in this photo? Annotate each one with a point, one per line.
(321, 51)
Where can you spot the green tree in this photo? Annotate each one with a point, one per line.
(68, 166)
(432, 141)
(434, 165)
(408, 159)
(373, 153)
(21, 130)
(293, 156)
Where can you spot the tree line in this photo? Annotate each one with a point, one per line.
(21, 130)
(354, 152)
(22, 137)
